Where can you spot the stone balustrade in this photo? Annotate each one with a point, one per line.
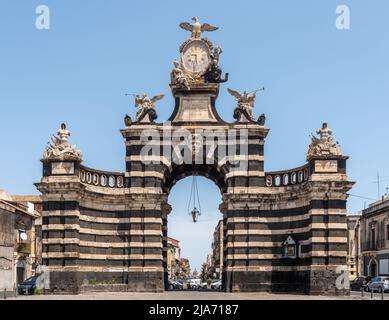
(287, 177)
(101, 178)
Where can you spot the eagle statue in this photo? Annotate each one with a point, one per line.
(197, 28)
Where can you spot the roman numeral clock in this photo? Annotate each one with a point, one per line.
(196, 56)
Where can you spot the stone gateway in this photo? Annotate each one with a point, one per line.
(284, 231)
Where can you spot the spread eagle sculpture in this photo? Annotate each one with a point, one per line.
(196, 28)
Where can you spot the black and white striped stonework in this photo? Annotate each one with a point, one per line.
(254, 251)
(107, 244)
(164, 172)
(110, 228)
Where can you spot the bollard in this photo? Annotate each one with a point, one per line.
(5, 293)
(382, 294)
(362, 289)
(371, 293)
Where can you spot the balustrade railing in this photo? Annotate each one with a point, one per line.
(287, 177)
(101, 178)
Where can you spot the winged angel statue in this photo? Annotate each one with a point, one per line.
(245, 102)
(146, 106)
(197, 28)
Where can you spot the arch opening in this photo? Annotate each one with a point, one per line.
(183, 171)
(193, 250)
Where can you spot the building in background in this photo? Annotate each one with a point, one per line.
(213, 267)
(195, 274)
(19, 242)
(207, 268)
(354, 257)
(217, 251)
(173, 258)
(374, 226)
(185, 271)
(36, 202)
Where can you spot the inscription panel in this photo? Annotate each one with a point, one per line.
(62, 168)
(195, 109)
(326, 166)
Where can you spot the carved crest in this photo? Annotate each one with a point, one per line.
(197, 141)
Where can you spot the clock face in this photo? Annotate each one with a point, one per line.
(196, 56)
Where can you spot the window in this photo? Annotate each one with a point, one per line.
(372, 239)
(384, 266)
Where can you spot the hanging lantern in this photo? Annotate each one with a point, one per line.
(194, 195)
(195, 214)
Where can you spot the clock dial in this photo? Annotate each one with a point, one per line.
(196, 56)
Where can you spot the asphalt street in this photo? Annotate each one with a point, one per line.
(197, 295)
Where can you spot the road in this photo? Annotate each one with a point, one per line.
(196, 295)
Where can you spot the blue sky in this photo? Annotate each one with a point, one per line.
(95, 52)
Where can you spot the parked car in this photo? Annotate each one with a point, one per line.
(28, 286)
(359, 282)
(204, 285)
(175, 285)
(216, 284)
(378, 284)
(195, 284)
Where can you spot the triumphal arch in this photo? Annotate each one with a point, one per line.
(284, 231)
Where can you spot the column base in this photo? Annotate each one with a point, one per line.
(81, 282)
(266, 281)
(318, 282)
(323, 282)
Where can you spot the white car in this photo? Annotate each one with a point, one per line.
(216, 285)
(195, 283)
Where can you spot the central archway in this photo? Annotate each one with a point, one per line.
(186, 170)
(193, 242)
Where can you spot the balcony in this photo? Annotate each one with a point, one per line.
(24, 248)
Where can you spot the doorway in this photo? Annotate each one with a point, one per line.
(373, 268)
(20, 272)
